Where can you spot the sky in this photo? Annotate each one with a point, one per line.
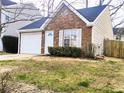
(80, 4)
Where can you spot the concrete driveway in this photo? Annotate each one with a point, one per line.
(15, 57)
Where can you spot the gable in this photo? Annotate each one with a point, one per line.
(65, 19)
(83, 14)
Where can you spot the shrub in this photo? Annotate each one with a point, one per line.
(89, 51)
(65, 51)
(10, 44)
(84, 84)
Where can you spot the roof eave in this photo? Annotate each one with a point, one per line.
(90, 24)
(29, 30)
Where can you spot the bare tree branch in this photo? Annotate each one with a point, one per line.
(121, 22)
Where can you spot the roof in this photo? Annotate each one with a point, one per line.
(118, 30)
(91, 13)
(7, 2)
(36, 24)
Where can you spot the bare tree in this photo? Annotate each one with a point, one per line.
(46, 6)
(87, 3)
(50, 6)
(0, 17)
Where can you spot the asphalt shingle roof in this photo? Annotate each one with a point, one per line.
(7, 2)
(36, 24)
(89, 13)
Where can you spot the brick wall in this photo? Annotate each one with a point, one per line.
(66, 19)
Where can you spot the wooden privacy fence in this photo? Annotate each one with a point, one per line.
(114, 48)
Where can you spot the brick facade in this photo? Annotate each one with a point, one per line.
(66, 19)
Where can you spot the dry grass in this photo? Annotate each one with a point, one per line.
(70, 75)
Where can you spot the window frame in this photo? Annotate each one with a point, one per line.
(78, 40)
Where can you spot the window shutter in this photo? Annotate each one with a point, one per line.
(61, 38)
(78, 34)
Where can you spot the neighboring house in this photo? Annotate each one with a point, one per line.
(118, 34)
(17, 12)
(67, 27)
(4, 3)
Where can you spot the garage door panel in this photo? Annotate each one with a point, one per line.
(31, 43)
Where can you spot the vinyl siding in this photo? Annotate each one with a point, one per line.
(101, 30)
(122, 38)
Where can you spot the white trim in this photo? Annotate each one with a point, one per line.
(70, 30)
(30, 30)
(90, 24)
(20, 42)
(45, 43)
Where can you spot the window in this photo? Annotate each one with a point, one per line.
(70, 38)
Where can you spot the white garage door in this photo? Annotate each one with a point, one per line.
(30, 43)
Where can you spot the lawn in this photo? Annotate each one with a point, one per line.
(70, 75)
(4, 53)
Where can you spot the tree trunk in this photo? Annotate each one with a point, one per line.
(87, 4)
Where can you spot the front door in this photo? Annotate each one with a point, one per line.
(49, 40)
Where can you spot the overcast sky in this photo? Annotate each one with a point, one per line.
(79, 4)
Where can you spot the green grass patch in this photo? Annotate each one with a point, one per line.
(7, 62)
(111, 91)
(4, 53)
(69, 76)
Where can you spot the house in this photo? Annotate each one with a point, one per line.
(17, 11)
(118, 33)
(67, 26)
(22, 11)
(5, 3)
